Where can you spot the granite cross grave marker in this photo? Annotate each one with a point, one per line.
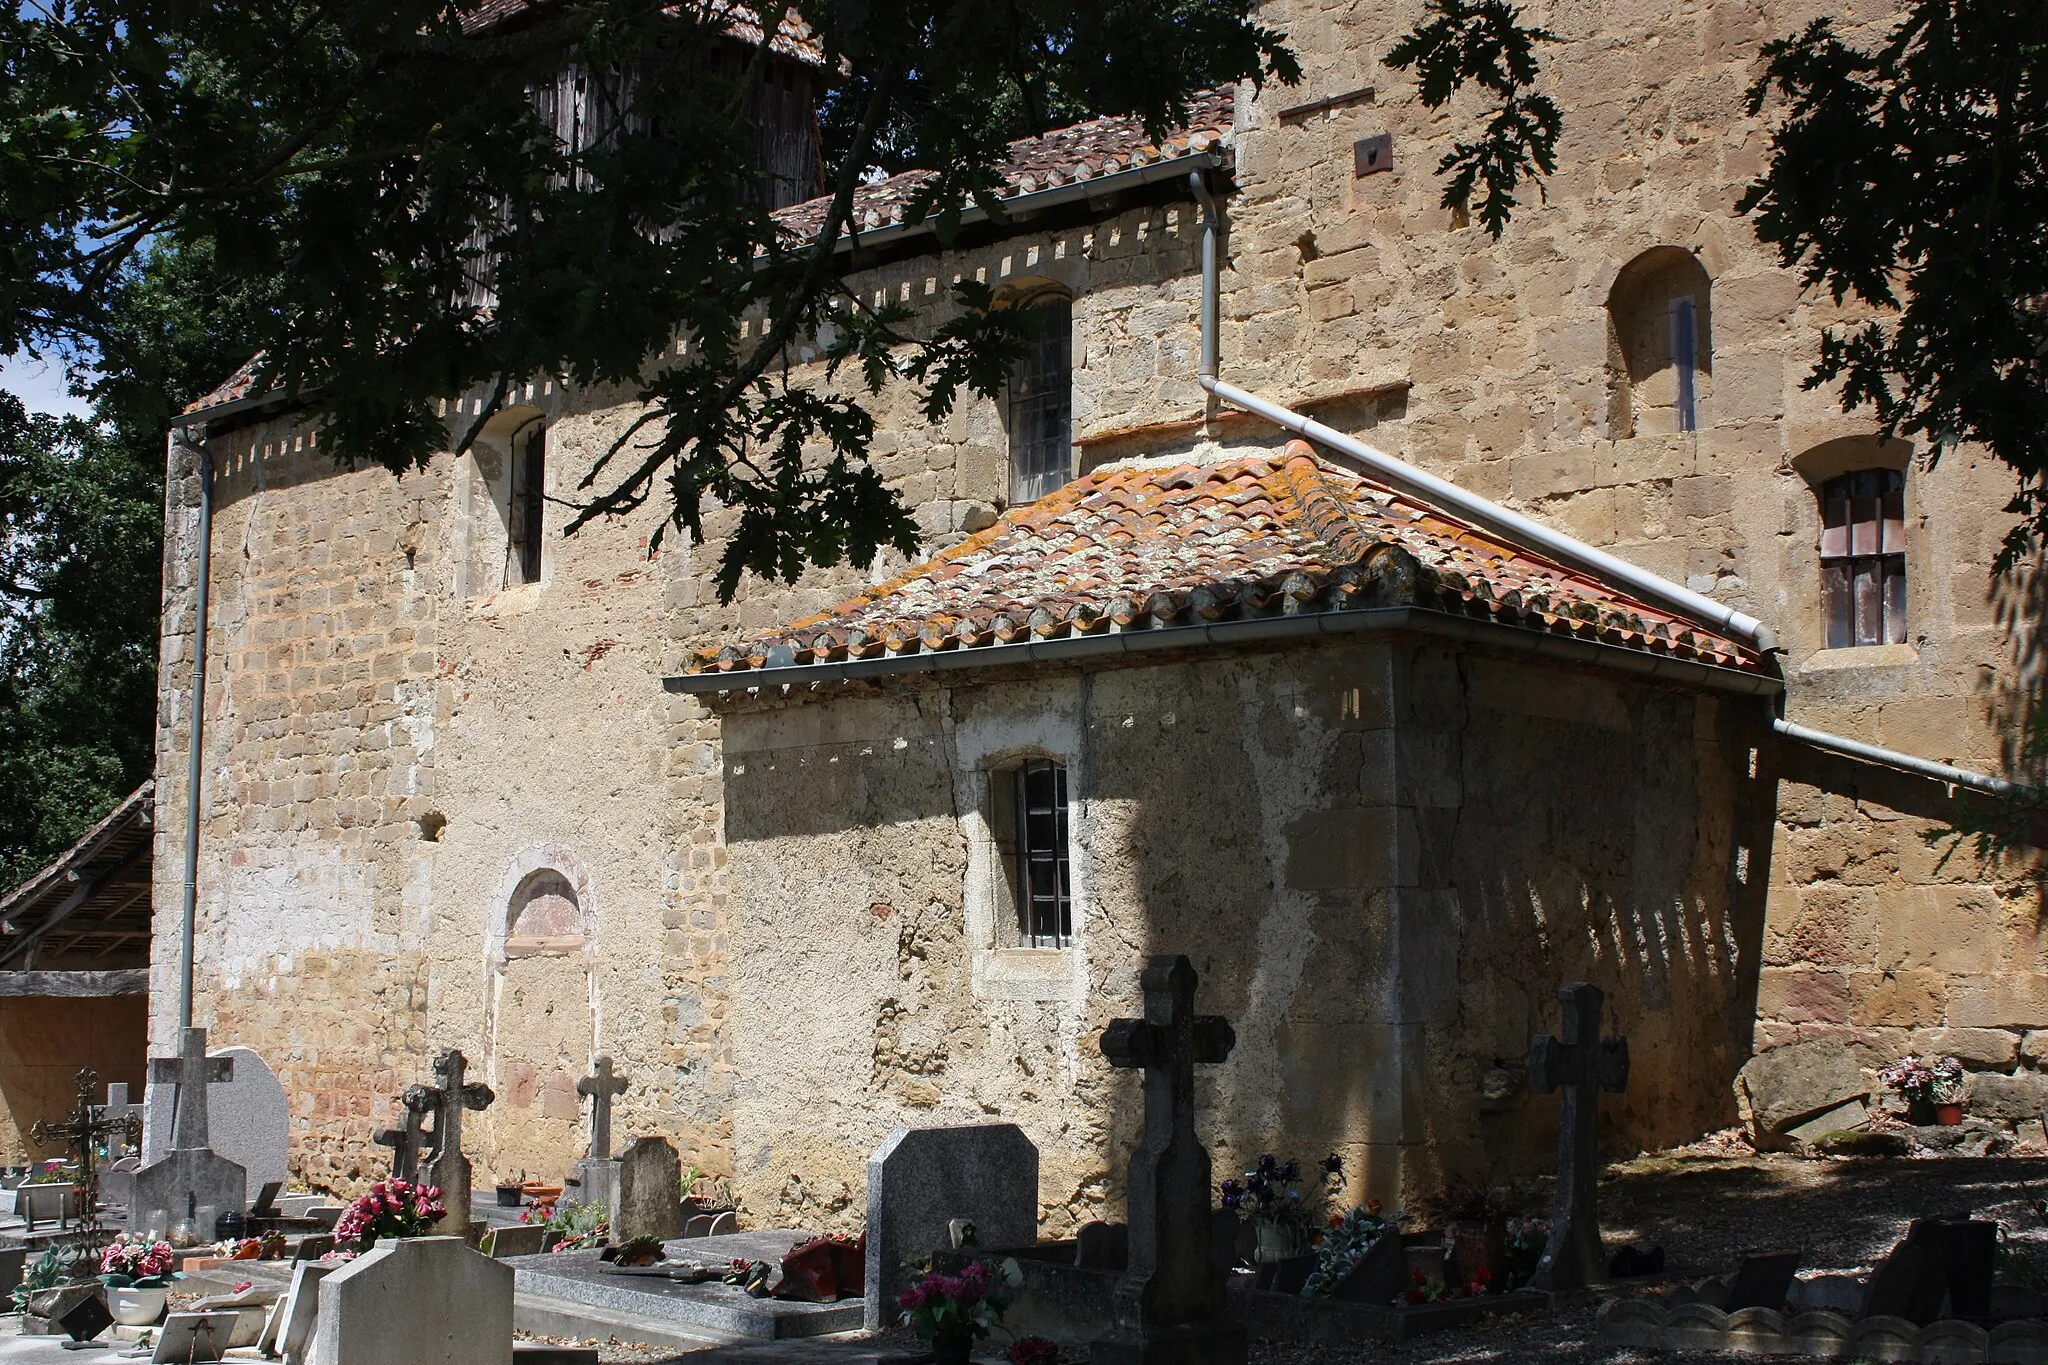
(601, 1088)
(172, 1191)
(408, 1142)
(1582, 1064)
(450, 1168)
(118, 1107)
(1168, 1309)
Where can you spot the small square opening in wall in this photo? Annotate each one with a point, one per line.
(1371, 155)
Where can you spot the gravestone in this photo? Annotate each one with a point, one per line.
(1938, 1259)
(1102, 1246)
(416, 1301)
(922, 1179)
(408, 1141)
(449, 1168)
(191, 1176)
(1763, 1280)
(1168, 1309)
(596, 1176)
(1583, 1064)
(127, 1141)
(648, 1201)
(249, 1118)
(83, 1133)
(522, 1239)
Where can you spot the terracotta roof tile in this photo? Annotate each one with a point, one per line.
(1263, 536)
(1086, 151)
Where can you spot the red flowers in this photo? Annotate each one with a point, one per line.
(392, 1208)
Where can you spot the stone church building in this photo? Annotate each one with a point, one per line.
(891, 848)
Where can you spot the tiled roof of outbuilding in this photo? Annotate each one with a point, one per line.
(1130, 549)
(1064, 156)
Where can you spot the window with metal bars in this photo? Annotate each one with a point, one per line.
(523, 521)
(1041, 402)
(1045, 907)
(1863, 558)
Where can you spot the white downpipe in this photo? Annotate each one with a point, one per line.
(1493, 517)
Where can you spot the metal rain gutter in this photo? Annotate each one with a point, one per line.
(196, 734)
(1925, 767)
(1521, 529)
(1409, 620)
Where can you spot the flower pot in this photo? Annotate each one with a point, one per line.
(1948, 1115)
(136, 1307)
(1278, 1242)
(1920, 1113)
(1479, 1248)
(952, 1350)
(509, 1196)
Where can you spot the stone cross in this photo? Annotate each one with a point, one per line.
(1582, 1064)
(1169, 1305)
(191, 1071)
(84, 1129)
(601, 1087)
(450, 1168)
(408, 1143)
(118, 1107)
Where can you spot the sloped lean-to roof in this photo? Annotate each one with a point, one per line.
(1131, 551)
(1085, 153)
(88, 911)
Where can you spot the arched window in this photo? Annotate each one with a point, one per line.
(524, 522)
(1041, 401)
(544, 917)
(1660, 356)
(1028, 817)
(1863, 558)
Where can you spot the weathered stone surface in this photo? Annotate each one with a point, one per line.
(648, 1201)
(416, 1301)
(2020, 1096)
(182, 1188)
(1787, 1085)
(920, 1179)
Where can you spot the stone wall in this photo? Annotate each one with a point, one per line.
(400, 741)
(1381, 857)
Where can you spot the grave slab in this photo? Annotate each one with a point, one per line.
(416, 1301)
(718, 1310)
(921, 1179)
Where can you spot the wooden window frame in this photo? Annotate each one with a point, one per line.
(1041, 860)
(1863, 558)
(1040, 402)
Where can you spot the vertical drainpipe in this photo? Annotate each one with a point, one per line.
(196, 732)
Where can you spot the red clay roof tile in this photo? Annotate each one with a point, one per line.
(1264, 535)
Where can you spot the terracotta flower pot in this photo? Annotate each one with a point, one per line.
(1948, 1115)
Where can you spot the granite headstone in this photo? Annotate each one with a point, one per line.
(921, 1179)
(248, 1119)
(416, 1301)
(648, 1199)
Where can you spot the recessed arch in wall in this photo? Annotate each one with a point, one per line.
(1659, 344)
(543, 1010)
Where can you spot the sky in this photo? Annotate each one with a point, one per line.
(39, 385)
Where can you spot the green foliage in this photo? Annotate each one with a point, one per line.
(47, 1271)
(81, 549)
(1483, 43)
(1914, 177)
(361, 169)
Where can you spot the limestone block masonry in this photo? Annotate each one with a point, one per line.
(446, 808)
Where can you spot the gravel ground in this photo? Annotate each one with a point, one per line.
(1706, 1206)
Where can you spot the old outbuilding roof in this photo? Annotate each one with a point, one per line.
(91, 906)
(1065, 156)
(1137, 549)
